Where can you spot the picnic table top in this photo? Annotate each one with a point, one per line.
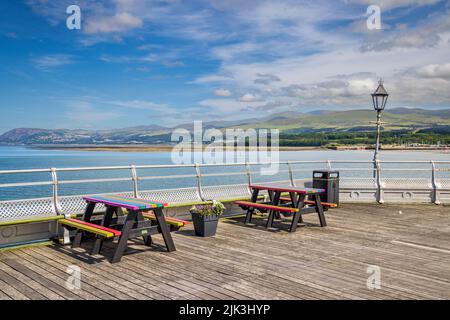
(126, 203)
(286, 188)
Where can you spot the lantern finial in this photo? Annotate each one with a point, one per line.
(379, 97)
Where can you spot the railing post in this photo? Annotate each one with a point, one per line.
(249, 177)
(379, 182)
(199, 182)
(56, 205)
(435, 198)
(291, 175)
(328, 164)
(134, 178)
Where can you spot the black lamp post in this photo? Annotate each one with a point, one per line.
(379, 98)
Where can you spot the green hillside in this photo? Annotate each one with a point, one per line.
(315, 128)
(344, 120)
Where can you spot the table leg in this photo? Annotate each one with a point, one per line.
(295, 204)
(165, 231)
(275, 202)
(147, 239)
(97, 246)
(89, 211)
(86, 217)
(293, 198)
(270, 192)
(319, 210)
(248, 217)
(106, 222)
(297, 215)
(123, 240)
(119, 212)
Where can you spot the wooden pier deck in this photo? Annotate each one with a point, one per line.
(409, 243)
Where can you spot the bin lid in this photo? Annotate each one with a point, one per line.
(330, 174)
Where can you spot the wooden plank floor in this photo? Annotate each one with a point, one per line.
(409, 243)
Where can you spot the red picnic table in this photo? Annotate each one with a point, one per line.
(297, 203)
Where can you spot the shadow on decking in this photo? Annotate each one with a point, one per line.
(409, 243)
(82, 253)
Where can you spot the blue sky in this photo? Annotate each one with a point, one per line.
(138, 62)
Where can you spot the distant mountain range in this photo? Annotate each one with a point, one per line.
(288, 123)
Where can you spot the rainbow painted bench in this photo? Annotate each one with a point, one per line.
(264, 206)
(310, 202)
(96, 229)
(115, 225)
(174, 223)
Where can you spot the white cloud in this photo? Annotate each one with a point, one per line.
(167, 60)
(435, 71)
(227, 106)
(229, 52)
(83, 114)
(221, 92)
(52, 61)
(428, 33)
(11, 35)
(161, 112)
(344, 90)
(211, 78)
(115, 59)
(288, 53)
(412, 90)
(248, 97)
(143, 105)
(80, 111)
(392, 4)
(418, 39)
(120, 22)
(263, 78)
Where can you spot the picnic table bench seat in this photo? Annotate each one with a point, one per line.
(175, 224)
(93, 228)
(324, 204)
(257, 205)
(310, 202)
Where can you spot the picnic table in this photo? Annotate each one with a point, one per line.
(297, 203)
(124, 226)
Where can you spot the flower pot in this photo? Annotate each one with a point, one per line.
(205, 226)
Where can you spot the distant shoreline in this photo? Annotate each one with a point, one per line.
(169, 148)
(149, 148)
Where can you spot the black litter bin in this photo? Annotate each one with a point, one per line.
(328, 180)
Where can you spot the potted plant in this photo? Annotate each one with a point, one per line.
(205, 218)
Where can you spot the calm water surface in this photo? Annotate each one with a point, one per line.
(16, 158)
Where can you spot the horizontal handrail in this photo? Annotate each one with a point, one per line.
(202, 165)
(177, 176)
(246, 169)
(26, 184)
(93, 180)
(25, 171)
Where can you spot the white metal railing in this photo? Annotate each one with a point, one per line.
(361, 181)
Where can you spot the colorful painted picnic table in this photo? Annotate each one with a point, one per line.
(297, 196)
(132, 225)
